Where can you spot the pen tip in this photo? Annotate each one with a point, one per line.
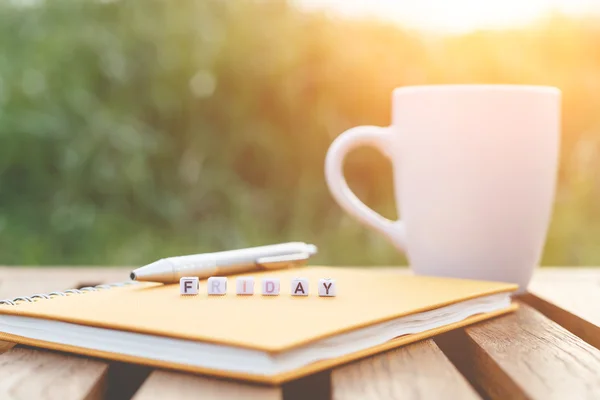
(132, 276)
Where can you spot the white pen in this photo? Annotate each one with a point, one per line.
(277, 256)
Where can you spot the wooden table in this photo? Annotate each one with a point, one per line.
(548, 349)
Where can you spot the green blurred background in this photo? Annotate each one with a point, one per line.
(134, 130)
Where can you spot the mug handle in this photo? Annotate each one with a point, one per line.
(381, 139)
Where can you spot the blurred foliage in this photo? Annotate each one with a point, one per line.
(136, 129)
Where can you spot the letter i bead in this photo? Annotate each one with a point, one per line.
(245, 285)
(188, 286)
(327, 287)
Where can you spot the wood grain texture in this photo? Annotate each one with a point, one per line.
(574, 290)
(524, 355)
(417, 371)
(569, 297)
(584, 329)
(5, 346)
(35, 374)
(12, 285)
(173, 385)
(27, 373)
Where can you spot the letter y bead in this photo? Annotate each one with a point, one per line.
(327, 287)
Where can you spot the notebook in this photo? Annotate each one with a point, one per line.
(266, 339)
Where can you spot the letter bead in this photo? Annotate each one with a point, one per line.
(270, 286)
(188, 286)
(327, 287)
(245, 285)
(299, 287)
(217, 285)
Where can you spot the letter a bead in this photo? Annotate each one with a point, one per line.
(189, 286)
(299, 287)
(217, 285)
(245, 285)
(327, 287)
(270, 286)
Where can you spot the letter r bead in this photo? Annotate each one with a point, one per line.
(327, 287)
(217, 285)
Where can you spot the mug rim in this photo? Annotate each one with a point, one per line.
(473, 87)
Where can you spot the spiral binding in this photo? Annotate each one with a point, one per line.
(40, 296)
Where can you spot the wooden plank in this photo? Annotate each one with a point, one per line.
(34, 374)
(569, 297)
(27, 373)
(507, 385)
(27, 281)
(524, 355)
(14, 288)
(174, 385)
(69, 272)
(11, 285)
(584, 329)
(416, 371)
(5, 346)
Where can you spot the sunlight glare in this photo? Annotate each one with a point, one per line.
(455, 15)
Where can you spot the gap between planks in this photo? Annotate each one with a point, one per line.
(586, 330)
(27, 373)
(569, 297)
(163, 384)
(415, 371)
(524, 355)
(501, 368)
(167, 384)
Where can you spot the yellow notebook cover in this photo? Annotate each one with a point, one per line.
(260, 328)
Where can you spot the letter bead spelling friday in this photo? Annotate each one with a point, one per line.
(217, 286)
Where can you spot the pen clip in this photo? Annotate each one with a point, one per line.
(287, 260)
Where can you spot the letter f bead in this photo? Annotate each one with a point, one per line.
(188, 286)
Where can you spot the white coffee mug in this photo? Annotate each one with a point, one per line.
(475, 171)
